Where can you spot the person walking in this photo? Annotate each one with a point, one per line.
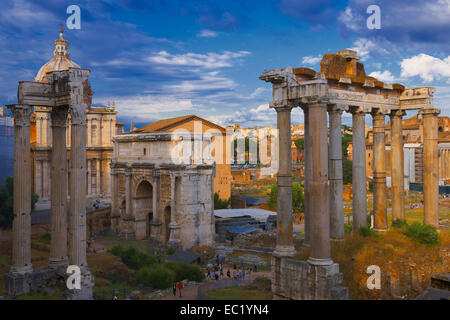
(243, 274)
(180, 287)
(174, 289)
(228, 273)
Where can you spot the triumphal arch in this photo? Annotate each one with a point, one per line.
(162, 188)
(341, 86)
(64, 93)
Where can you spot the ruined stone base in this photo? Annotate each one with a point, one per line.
(300, 280)
(87, 285)
(17, 284)
(175, 244)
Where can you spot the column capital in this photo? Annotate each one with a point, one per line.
(336, 108)
(378, 112)
(78, 114)
(430, 112)
(356, 110)
(59, 116)
(283, 105)
(397, 113)
(22, 113)
(156, 173)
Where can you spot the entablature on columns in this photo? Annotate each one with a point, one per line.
(342, 84)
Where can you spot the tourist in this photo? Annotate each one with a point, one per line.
(254, 268)
(217, 276)
(180, 287)
(228, 273)
(174, 289)
(214, 275)
(243, 274)
(209, 274)
(221, 272)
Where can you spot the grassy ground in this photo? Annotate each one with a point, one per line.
(258, 290)
(408, 264)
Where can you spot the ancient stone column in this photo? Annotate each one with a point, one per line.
(307, 174)
(430, 167)
(335, 175)
(89, 177)
(58, 246)
(285, 241)
(156, 221)
(114, 201)
(174, 240)
(379, 171)
(359, 203)
(128, 218)
(397, 166)
(77, 222)
(320, 253)
(21, 244)
(98, 175)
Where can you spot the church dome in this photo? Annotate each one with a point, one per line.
(60, 60)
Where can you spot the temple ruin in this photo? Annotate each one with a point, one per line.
(64, 92)
(341, 86)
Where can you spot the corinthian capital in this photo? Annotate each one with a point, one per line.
(78, 114)
(22, 113)
(59, 116)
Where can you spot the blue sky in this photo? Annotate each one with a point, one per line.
(159, 59)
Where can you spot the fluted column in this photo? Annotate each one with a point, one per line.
(174, 240)
(320, 253)
(359, 203)
(430, 167)
(58, 246)
(285, 240)
(379, 171)
(307, 174)
(77, 222)
(397, 166)
(335, 175)
(89, 177)
(114, 202)
(129, 217)
(21, 244)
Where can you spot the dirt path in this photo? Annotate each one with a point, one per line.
(190, 292)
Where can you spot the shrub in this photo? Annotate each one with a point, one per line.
(183, 271)
(348, 227)
(45, 238)
(170, 251)
(399, 223)
(157, 276)
(132, 257)
(422, 233)
(219, 203)
(367, 232)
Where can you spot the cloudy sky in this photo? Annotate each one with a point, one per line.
(159, 59)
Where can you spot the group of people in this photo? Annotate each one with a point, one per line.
(217, 271)
(177, 286)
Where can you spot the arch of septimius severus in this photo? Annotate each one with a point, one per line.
(341, 86)
(101, 127)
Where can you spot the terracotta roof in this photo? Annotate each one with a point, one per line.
(118, 123)
(166, 124)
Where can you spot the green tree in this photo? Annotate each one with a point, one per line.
(347, 170)
(300, 143)
(6, 203)
(219, 203)
(298, 200)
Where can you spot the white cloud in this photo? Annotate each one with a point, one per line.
(147, 106)
(366, 48)
(310, 60)
(207, 34)
(350, 20)
(385, 76)
(427, 67)
(210, 60)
